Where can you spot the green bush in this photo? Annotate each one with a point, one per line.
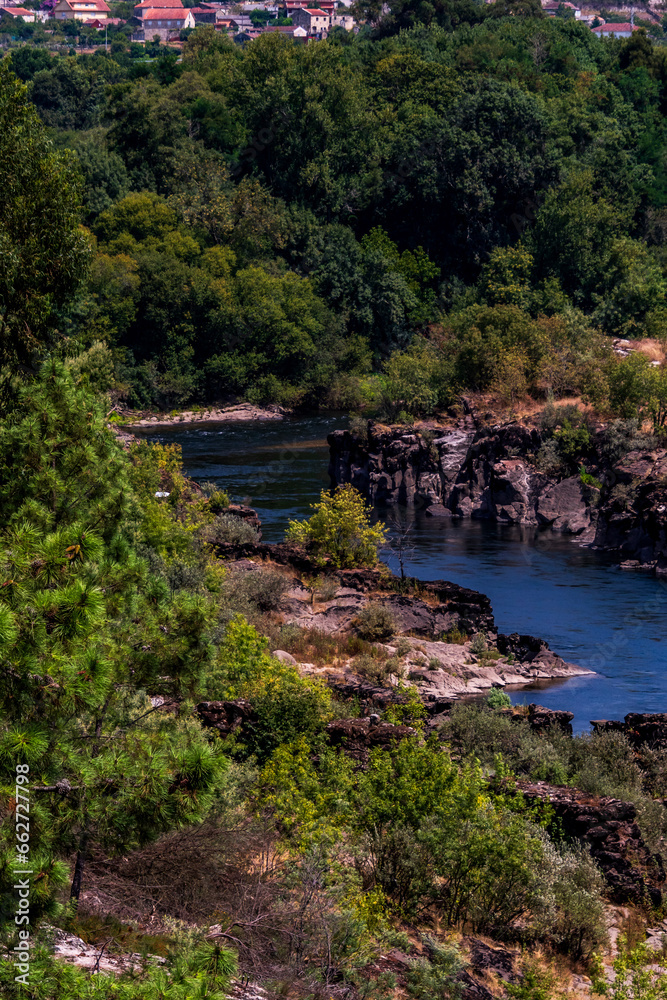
(579, 927)
(435, 977)
(373, 669)
(375, 623)
(478, 644)
(227, 528)
(218, 500)
(341, 529)
(264, 589)
(497, 698)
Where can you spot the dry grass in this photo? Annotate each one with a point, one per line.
(653, 349)
(321, 648)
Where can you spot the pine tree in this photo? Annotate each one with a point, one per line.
(86, 636)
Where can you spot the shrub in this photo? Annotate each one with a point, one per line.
(578, 887)
(403, 647)
(552, 417)
(549, 461)
(359, 429)
(497, 698)
(264, 588)
(435, 978)
(620, 437)
(478, 644)
(341, 529)
(374, 670)
(287, 706)
(218, 500)
(417, 380)
(325, 587)
(535, 984)
(375, 622)
(635, 976)
(455, 637)
(231, 529)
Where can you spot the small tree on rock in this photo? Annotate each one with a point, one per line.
(341, 529)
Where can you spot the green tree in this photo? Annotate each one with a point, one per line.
(43, 252)
(85, 632)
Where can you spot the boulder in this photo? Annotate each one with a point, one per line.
(564, 508)
(280, 654)
(540, 718)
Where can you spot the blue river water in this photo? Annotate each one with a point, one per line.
(588, 610)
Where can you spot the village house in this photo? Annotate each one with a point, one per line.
(623, 30)
(552, 6)
(18, 13)
(163, 19)
(81, 10)
(204, 14)
(241, 22)
(318, 22)
(298, 34)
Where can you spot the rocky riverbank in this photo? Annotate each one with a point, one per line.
(468, 468)
(213, 415)
(444, 642)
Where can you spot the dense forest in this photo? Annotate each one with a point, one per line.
(376, 222)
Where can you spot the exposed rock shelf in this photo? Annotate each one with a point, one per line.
(432, 619)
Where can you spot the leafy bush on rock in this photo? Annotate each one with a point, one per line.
(375, 622)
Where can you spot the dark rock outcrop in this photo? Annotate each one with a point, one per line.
(469, 469)
(528, 649)
(540, 718)
(225, 716)
(357, 737)
(248, 515)
(608, 826)
(634, 525)
(465, 471)
(483, 958)
(640, 728)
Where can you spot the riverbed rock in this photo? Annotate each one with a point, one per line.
(241, 412)
(564, 507)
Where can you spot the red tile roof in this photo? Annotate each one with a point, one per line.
(315, 10)
(164, 14)
(624, 26)
(159, 3)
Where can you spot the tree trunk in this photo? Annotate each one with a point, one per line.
(80, 863)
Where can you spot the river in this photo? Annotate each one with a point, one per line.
(588, 610)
